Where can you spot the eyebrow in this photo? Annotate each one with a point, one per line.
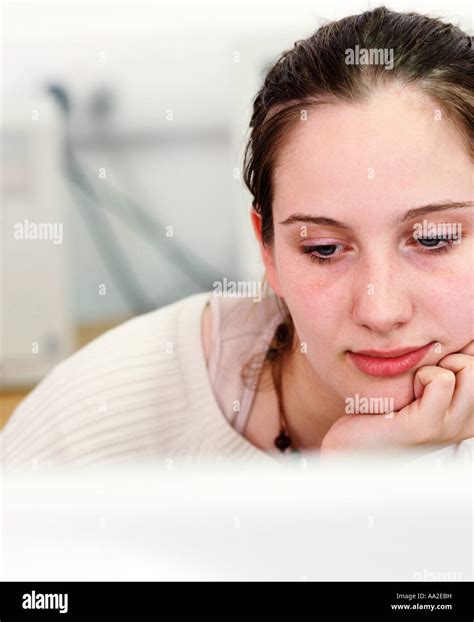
(437, 207)
(409, 215)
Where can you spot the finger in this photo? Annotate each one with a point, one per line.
(469, 349)
(460, 419)
(435, 386)
(456, 362)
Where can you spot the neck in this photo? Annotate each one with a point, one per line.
(310, 408)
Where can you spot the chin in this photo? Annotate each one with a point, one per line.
(396, 391)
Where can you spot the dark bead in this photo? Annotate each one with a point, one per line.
(282, 441)
(281, 333)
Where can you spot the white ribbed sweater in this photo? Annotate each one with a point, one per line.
(140, 391)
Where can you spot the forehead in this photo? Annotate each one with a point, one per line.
(392, 152)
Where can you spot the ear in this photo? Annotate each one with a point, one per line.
(266, 253)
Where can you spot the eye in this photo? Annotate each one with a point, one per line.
(439, 237)
(322, 253)
(430, 242)
(431, 246)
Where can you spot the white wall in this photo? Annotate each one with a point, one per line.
(157, 56)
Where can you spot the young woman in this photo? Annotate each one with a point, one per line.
(360, 165)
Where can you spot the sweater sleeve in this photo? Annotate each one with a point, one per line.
(113, 399)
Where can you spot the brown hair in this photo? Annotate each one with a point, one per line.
(434, 56)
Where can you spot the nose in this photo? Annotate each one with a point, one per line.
(381, 294)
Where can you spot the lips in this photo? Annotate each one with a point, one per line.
(388, 362)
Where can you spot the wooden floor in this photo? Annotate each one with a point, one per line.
(10, 398)
(9, 401)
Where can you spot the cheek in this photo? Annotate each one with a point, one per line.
(454, 309)
(446, 300)
(317, 307)
(301, 279)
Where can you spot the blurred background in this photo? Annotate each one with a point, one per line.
(123, 128)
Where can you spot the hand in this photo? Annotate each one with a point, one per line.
(441, 414)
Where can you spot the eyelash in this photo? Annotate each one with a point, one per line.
(309, 250)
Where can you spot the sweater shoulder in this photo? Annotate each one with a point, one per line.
(118, 396)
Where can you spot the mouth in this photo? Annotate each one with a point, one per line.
(388, 362)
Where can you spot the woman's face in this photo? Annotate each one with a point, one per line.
(365, 168)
